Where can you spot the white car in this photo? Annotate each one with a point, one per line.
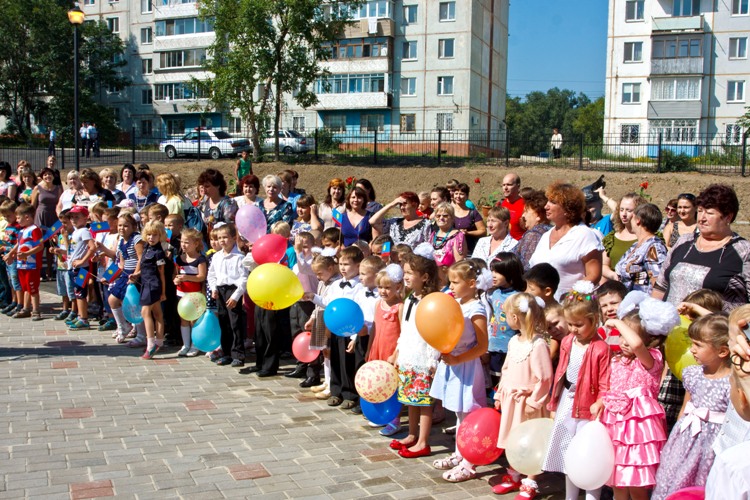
(213, 143)
(290, 142)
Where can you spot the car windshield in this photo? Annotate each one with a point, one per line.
(220, 134)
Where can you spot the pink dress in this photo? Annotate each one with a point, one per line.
(526, 381)
(387, 330)
(635, 420)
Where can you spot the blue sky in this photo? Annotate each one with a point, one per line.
(556, 43)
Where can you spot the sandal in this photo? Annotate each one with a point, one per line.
(459, 473)
(448, 462)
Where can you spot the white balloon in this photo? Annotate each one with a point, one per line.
(527, 444)
(590, 458)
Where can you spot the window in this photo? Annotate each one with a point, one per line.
(631, 93)
(147, 128)
(147, 96)
(736, 91)
(358, 48)
(408, 86)
(633, 52)
(733, 134)
(445, 85)
(147, 6)
(185, 26)
(148, 66)
(740, 7)
(371, 123)
(114, 88)
(634, 10)
(147, 35)
(298, 123)
(89, 2)
(410, 14)
(674, 131)
(675, 89)
(351, 84)
(408, 123)
(445, 48)
(629, 134)
(444, 121)
(182, 58)
(410, 50)
(677, 47)
(447, 11)
(177, 91)
(336, 123)
(373, 8)
(113, 23)
(683, 8)
(738, 48)
(175, 127)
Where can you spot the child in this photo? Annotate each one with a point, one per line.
(459, 379)
(191, 270)
(331, 238)
(64, 283)
(399, 253)
(82, 249)
(173, 224)
(700, 303)
(557, 328)
(507, 280)
(12, 230)
(213, 240)
(28, 261)
(150, 271)
(227, 278)
(415, 359)
(526, 381)
(381, 246)
(581, 379)
(610, 296)
(542, 281)
(128, 254)
(688, 454)
(632, 414)
(300, 312)
(107, 247)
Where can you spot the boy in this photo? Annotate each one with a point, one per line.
(158, 212)
(381, 246)
(6, 291)
(399, 252)
(106, 246)
(8, 209)
(542, 281)
(331, 238)
(64, 283)
(301, 311)
(28, 262)
(82, 249)
(610, 296)
(174, 224)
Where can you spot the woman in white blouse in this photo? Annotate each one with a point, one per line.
(499, 239)
(335, 200)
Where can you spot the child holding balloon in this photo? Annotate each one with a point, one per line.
(191, 271)
(581, 380)
(128, 253)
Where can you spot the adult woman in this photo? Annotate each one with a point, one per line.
(274, 207)
(143, 195)
(372, 205)
(7, 186)
(74, 189)
(307, 217)
(640, 266)
(21, 167)
(248, 189)
(287, 181)
(570, 246)
(355, 221)
(686, 213)
(109, 182)
(439, 195)
(334, 200)
(93, 192)
(468, 220)
(535, 221)
(449, 243)
(622, 237)
(498, 239)
(410, 228)
(127, 178)
(44, 199)
(215, 206)
(52, 165)
(171, 194)
(670, 214)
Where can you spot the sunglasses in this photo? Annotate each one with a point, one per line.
(670, 210)
(686, 196)
(738, 362)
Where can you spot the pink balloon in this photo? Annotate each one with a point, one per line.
(270, 248)
(477, 436)
(251, 223)
(690, 493)
(301, 348)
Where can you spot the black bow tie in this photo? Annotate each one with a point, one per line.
(368, 293)
(345, 284)
(412, 301)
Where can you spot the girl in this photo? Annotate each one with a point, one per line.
(415, 359)
(128, 253)
(507, 280)
(526, 381)
(459, 380)
(632, 414)
(150, 270)
(26, 189)
(581, 380)
(688, 454)
(191, 269)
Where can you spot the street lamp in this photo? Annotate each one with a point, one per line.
(76, 17)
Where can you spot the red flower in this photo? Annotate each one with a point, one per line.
(644, 185)
(349, 180)
(477, 181)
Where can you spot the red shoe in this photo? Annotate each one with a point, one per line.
(405, 453)
(527, 492)
(507, 484)
(397, 445)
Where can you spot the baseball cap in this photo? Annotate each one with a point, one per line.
(80, 209)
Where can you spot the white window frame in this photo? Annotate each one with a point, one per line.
(339, 118)
(736, 91)
(147, 36)
(366, 122)
(630, 133)
(113, 23)
(89, 2)
(408, 86)
(637, 7)
(147, 6)
(674, 131)
(738, 47)
(449, 15)
(673, 85)
(444, 121)
(633, 90)
(407, 48)
(298, 123)
(694, 6)
(445, 85)
(740, 7)
(733, 133)
(631, 50)
(408, 10)
(442, 44)
(404, 123)
(147, 66)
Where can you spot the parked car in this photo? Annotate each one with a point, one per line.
(290, 142)
(213, 143)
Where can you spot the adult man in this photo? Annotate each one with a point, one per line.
(52, 139)
(556, 143)
(84, 133)
(93, 140)
(514, 203)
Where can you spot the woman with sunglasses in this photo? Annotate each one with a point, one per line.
(685, 223)
(670, 215)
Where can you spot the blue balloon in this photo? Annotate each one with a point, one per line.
(131, 305)
(343, 317)
(207, 332)
(381, 413)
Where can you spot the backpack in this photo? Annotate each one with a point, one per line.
(194, 220)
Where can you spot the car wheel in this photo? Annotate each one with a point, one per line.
(288, 150)
(214, 153)
(171, 152)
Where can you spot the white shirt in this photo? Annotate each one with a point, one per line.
(367, 304)
(557, 140)
(482, 250)
(304, 271)
(227, 270)
(79, 245)
(336, 292)
(730, 474)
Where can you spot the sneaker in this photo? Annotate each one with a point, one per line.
(10, 307)
(237, 363)
(108, 325)
(149, 353)
(22, 313)
(81, 324)
(390, 429)
(63, 315)
(136, 342)
(193, 352)
(71, 316)
(183, 352)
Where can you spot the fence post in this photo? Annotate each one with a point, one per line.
(507, 147)
(440, 145)
(375, 149)
(658, 154)
(199, 143)
(580, 153)
(744, 153)
(316, 144)
(132, 145)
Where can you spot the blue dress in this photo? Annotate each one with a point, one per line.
(461, 387)
(361, 231)
(152, 258)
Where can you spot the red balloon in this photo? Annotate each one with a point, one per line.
(477, 436)
(301, 348)
(690, 493)
(270, 248)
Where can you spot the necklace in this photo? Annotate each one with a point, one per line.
(443, 241)
(704, 245)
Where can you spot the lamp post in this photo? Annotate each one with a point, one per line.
(76, 17)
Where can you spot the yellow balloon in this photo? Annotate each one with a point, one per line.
(677, 348)
(273, 286)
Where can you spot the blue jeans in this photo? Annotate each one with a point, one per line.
(13, 276)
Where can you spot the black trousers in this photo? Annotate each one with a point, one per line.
(271, 330)
(299, 313)
(169, 307)
(232, 324)
(342, 369)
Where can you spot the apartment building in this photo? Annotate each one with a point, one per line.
(676, 69)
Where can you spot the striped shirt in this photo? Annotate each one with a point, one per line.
(29, 238)
(126, 251)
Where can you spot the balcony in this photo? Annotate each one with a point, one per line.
(676, 24)
(174, 10)
(360, 65)
(179, 107)
(362, 28)
(677, 66)
(360, 100)
(176, 42)
(674, 110)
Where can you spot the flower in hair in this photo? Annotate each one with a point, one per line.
(630, 302)
(328, 252)
(523, 305)
(583, 287)
(539, 301)
(316, 250)
(657, 317)
(484, 280)
(395, 273)
(425, 251)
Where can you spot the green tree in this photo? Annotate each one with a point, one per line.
(589, 122)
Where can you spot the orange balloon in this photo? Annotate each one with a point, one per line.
(440, 321)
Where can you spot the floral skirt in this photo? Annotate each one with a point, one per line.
(414, 387)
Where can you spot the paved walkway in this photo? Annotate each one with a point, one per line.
(83, 417)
